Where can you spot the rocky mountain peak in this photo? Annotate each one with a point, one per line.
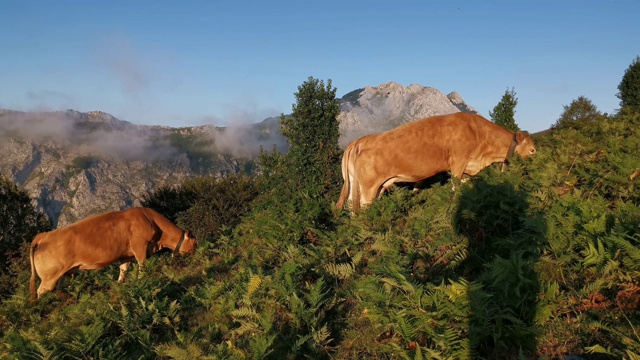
(379, 108)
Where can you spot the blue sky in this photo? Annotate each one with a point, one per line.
(184, 63)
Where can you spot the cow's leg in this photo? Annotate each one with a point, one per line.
(386, 187)
(140, 253)
(48, 284)
(50, 271)
(457, 170)
(351, 185)
(369, 193)
(123, 270)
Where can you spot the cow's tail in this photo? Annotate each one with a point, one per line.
(32, 281)
(355, 182)
(345, 176)
(355, 197)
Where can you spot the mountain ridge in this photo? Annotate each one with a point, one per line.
(74, 164)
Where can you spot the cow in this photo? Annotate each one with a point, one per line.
(100, 240)
(461, 143)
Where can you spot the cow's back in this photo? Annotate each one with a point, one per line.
(98, 240)
(445, 132)
(423, 147)
(458, 143)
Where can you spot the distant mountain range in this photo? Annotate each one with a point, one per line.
(75, 164)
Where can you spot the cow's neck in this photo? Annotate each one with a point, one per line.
(179, 244)
(512, 150)
(512, 147)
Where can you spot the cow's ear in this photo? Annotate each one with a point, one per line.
(519, 137)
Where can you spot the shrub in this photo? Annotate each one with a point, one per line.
(20, 222)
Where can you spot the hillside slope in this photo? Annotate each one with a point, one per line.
(542, 260)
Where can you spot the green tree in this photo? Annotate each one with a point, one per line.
(629, 87)
(299, 187)
(580, 112)
(312, 162)
(503, 114)
(312, 132)
(19, 223)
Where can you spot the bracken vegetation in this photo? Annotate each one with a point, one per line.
(542, 260)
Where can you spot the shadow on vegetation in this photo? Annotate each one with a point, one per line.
(505, 242)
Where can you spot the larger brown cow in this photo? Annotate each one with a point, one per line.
(100, 240)
(461, 143)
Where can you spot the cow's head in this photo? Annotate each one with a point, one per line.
(187, 244)
(525, 146)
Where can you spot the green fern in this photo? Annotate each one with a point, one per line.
(322, 336)
(631, 250)
(261, 345)
(254, 283)
(191, 351)
(244, 312)
(341, 271)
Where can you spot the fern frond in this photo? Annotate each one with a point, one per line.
(316, 297)
(245, 328)
(457, 289)
(244, 312)
(593, 287)
(593, 255)
(177, 352)
(321, 337)
(390, 284)
(357, 258)
(254, 284)
(598, 349)
(261, 346)
(633, 355)
(405, 328)
(341, 271)
(630, 249)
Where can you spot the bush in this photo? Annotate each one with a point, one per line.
(207, 206)
(219, 204)
(19, 224)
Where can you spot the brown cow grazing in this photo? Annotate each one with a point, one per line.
(460, 143)
(100, 240)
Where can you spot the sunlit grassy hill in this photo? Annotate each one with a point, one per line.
(540, 260)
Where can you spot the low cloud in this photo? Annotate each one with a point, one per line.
(129, 145)
(101, 134)
(36, 126)
(246, 140)
(246, 130)
(105, 136)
